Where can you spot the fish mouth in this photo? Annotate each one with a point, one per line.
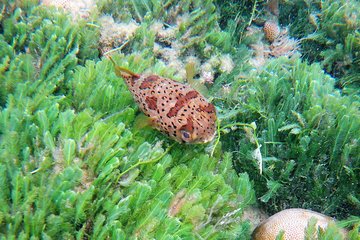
(204, 140)
(208, 140)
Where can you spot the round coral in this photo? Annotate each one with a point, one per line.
(292, 222)
(271, 30)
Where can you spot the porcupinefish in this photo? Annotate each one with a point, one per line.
(174, 108)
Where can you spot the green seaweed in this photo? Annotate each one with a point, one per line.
(309, 136)
(330, 35)
(75, 164)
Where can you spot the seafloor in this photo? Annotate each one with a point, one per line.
(78, 159)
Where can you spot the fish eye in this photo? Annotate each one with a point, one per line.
(185, 134)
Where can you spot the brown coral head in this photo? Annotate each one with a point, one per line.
(271, 30)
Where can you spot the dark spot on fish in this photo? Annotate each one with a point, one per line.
(149, 81)
(151, 102)
(209, 108)
(181, 102)
(130, 80)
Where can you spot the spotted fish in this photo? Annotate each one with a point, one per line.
(174, 108)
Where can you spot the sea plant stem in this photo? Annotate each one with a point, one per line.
(145, 162)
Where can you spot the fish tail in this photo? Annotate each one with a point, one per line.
(123, 72)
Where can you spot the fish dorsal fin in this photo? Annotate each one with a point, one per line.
(123, 72)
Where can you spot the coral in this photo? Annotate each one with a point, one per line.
(271, 30)
(165, 35)
(77, 8)
(259, 58)
(281, 44)
(226, 63)
(293, 223)
(207, 73)
(113, 35)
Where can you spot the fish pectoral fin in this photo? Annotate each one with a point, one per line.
(143, 121)
(153, 121)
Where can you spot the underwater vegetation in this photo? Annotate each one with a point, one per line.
(77, 162)
(330, 35)
(74, 165)
(306, 129)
